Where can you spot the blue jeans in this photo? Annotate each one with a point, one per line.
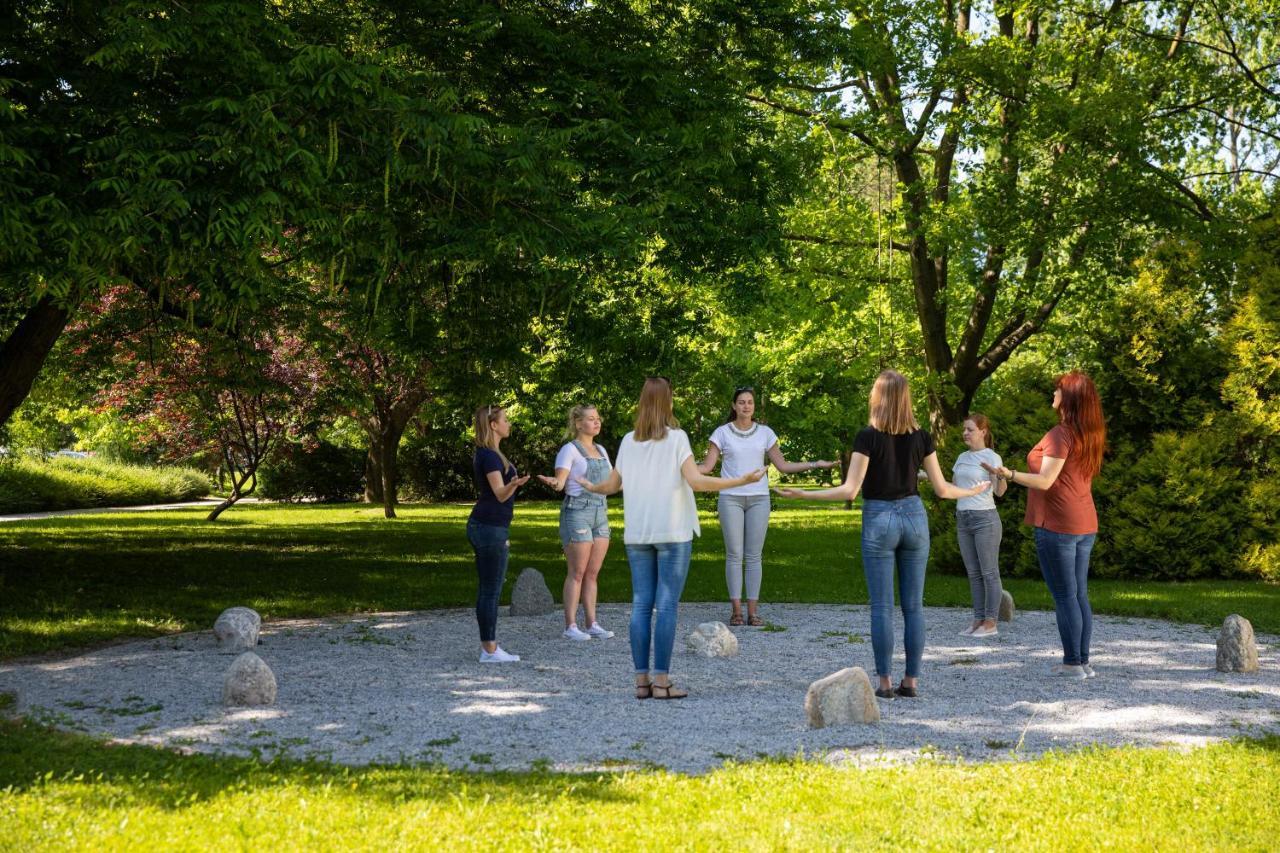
(490, 542)
(895, 539)
(658, 573)
(1064, 562)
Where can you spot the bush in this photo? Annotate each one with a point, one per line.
(323, 472)
(37, 485)
(431, 471)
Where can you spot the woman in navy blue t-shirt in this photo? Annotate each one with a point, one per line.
(489, 525)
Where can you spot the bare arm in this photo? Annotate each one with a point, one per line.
(502, 490)
(709, 463)
(780, 462)
(1050, 468)
(700, 482)
(942, 488)
(846, 491)
(557, 482)
(607, 486)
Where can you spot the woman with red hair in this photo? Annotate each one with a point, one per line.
(1059, 479)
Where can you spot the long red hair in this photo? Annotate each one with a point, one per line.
(1080, 411)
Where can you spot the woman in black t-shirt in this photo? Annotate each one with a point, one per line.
(895, 530)
(489, 524)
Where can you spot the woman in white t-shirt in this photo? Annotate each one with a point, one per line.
(740, 445)
(656, 467)
(978, 525)
(584, 519)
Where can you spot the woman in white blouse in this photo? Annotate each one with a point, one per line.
(655, 466)
(742, 444)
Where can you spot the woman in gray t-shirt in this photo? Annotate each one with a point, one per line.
(978, 525)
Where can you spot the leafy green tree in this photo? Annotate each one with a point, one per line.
(1033, 147)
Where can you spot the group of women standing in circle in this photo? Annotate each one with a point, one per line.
(657, 472)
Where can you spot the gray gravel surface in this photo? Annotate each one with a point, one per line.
(407, 687)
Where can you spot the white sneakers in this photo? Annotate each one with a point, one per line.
(573, 632)
(984, 632)
(1088, 671)
(1074, 673)
(498, 656)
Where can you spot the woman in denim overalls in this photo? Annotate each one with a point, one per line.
(584, 520)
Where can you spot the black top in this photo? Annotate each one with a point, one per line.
(895, 459)
(488, 509)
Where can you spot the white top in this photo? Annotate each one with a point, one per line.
(739, 455)
(657, 502)
(570, 457)
(968, 472)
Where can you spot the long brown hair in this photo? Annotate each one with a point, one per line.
(891, 404)
(981, 422)
(1080, 411)
(654, 415)
(485, 436)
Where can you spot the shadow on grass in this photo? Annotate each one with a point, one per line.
(36, 755)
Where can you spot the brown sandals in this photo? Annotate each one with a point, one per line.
(736, 619)
(644, 691)
(669, 691)
(755, 621)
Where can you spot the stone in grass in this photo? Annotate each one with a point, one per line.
(841, 698)
(713, 640)
(530, 596)
(249, 681)
(237, 629)
(1006, 606)
(1237, 650)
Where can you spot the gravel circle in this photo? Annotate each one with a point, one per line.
(394, 687)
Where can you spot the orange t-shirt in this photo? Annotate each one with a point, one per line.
(1067, 505)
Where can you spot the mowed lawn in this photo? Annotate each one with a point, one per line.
(79, 580)
(76, 581)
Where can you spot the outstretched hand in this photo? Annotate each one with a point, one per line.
(755, 476)
(520, 481)
(551, 481)
(980, 488)
(824, 464)
(789, 493)
(999, 470)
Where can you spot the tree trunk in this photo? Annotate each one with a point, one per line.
(237, 492)
(24, 352)
(373, 473)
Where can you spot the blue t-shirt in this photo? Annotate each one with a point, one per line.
(488, 509)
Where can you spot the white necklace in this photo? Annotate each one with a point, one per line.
(740, 434)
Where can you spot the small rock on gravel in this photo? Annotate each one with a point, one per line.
(713, 640)
(841, 698)
(1006, 606)
(1237, 649)
(236, 629)
(249, 681)
(530, 596)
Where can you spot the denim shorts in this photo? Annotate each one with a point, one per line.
(583, 519)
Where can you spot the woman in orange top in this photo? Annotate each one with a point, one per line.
(1059, 479)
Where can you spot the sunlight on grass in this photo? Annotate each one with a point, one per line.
(79, 580)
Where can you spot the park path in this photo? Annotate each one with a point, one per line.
(202, 502)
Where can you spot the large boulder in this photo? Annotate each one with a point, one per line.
(1237, 649)
(841, 698)
(713, 640)
(249, 681)
(1006, 606)
(530, 596)
(236, 629)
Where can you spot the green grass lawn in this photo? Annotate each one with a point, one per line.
(69, 792)
(79, 580)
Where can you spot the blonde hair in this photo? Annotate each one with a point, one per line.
(654, 414)
(891, 404)
(485, 436)
(576, 414)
